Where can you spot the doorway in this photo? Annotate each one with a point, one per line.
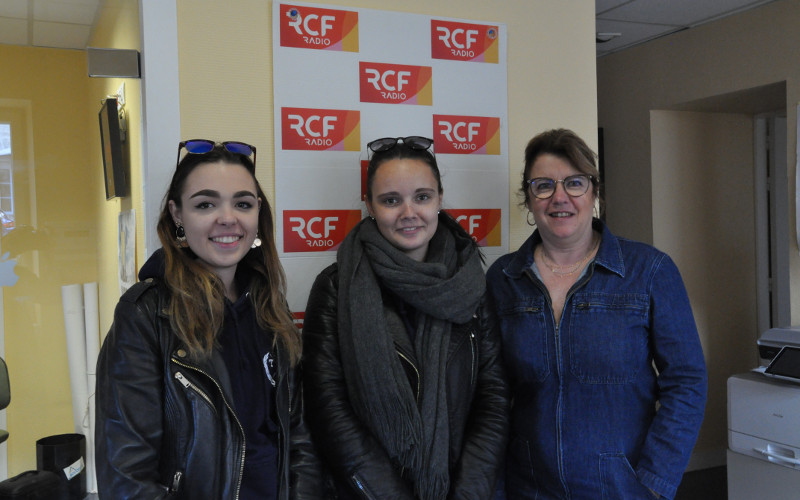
(713, 214)
(772, 222)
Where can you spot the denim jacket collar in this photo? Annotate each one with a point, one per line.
(609, 255)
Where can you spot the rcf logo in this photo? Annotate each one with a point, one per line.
(466, 134)
(315, 28)
(298, 317)
(482, 224)
(321, 129)
(396, 83)
(317, 230)
(464, 42)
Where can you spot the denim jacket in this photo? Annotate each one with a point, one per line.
(608, 402)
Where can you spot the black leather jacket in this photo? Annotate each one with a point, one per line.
(165, 425)
(478, 402)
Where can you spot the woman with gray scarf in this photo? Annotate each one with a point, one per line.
(405, 391)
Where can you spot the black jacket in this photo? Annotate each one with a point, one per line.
(478, 402)
(165, 424)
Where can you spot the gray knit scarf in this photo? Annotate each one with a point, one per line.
(444, 289)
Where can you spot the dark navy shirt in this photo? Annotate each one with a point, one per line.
(248, 354)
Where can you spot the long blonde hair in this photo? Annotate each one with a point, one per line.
(196, 306)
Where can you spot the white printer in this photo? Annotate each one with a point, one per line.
(771, 342)
(763, 454)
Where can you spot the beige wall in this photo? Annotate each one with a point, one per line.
(700, 159)
(225, 54)
(739, 52)
(655, 190)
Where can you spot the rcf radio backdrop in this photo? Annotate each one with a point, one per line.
(345, 76)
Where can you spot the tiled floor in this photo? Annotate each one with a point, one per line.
(706, 484)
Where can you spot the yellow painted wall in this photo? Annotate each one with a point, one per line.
(118, 28)
(66, 230)
(54, 241)
(225, 52)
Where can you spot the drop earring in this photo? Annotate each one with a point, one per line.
(256, 242)
(180, 235)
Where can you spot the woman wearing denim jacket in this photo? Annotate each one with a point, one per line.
(608, 376)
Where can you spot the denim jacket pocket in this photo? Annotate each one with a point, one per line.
(618, 479)
(524, 333)
(608, 336)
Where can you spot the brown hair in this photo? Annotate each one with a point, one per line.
(566, 145)
(196, 308)
(402, 151)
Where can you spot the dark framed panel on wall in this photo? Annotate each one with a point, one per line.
(601, 167)
(112, 141)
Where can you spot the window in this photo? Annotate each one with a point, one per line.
(6, 179)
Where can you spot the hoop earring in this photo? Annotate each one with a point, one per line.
(180, 235)
(256, 242)
(528, 219)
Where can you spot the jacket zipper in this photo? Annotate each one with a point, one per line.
(416, 393)
(472, 343)
(557, 335)
(362, 487)
(176, 482)
(233, 413)
(291, 410)
(186, 383)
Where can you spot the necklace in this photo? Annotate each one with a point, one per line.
(568, 270)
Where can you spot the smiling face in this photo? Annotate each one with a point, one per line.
(562, 219)
(219, 212)
(405, 202)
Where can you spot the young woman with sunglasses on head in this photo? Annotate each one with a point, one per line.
(405, 394)
(196, 392)
(607, 372)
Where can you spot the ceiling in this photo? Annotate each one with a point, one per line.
(67, 24)
(625, 23)
(64, 24)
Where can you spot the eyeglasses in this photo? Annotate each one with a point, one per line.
(413, 141)
(201, 146)
(574, 185)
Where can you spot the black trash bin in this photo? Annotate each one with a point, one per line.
(65, 454)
